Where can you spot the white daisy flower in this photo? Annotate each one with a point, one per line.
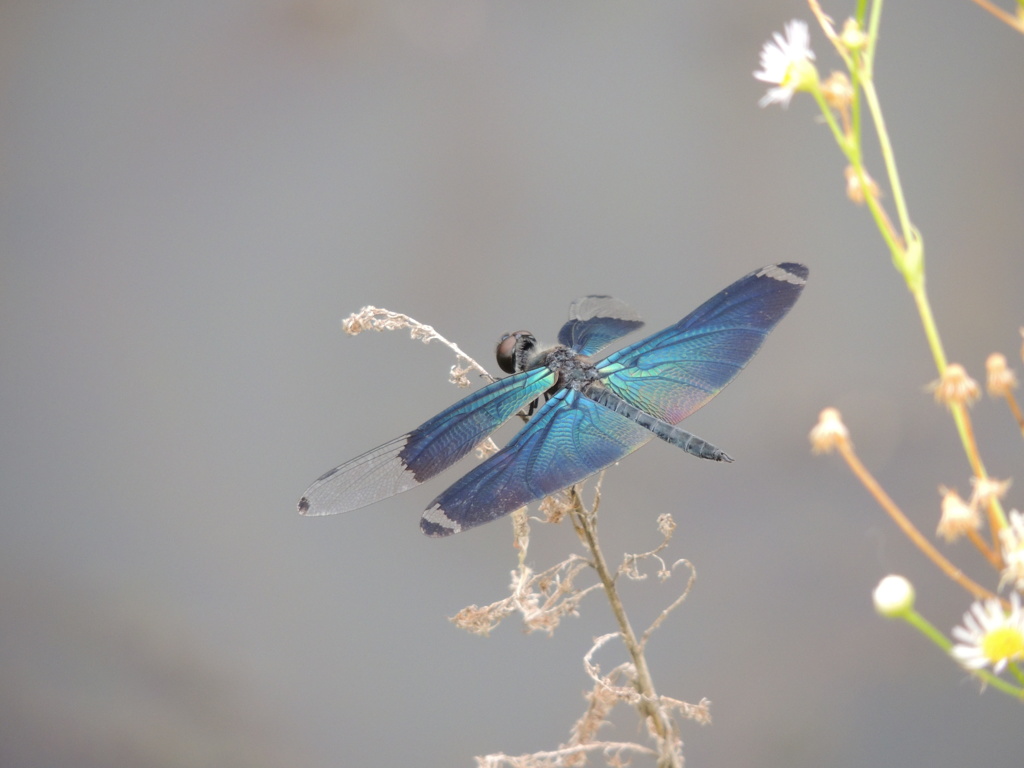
(1012, 540)
(785, 61)
(990, 636)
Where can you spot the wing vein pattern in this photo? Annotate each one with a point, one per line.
(432, 447)
(677, 370)
(569, 439)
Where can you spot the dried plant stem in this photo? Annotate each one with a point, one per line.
(564, 755)
(1015, 22)
(1015, 410)
(993, 557)
(993, 508)
(586, 525)
(853, 461)
(371, 318)
(996, 517)
(675, 604)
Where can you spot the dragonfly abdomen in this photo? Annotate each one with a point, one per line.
(670, 433)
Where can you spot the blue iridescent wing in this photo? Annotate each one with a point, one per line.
(595, 321)
(675, 371)
(432, 447)
(569, 439)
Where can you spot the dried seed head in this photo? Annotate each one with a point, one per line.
(987, 490)
(1001, 378)
(479, 621)
(555, 507)
(458, 375)
(855, 190)
(958, 517)
(354, 324)
(1012, 540)
(837, 91)
(853, 36)
(955, 387)
(829, 433)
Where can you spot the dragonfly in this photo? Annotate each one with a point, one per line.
(593, 413)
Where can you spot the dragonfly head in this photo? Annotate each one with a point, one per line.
(514, 350)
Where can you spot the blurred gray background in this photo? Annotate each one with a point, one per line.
(193, 194)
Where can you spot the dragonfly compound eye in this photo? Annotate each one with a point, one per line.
(510, 349)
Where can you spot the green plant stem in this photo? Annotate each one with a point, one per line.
(1015, 669)
(861, 8)
(830, 119)
(907, 248)
(926, 628)
(931, 331)
(871, 95)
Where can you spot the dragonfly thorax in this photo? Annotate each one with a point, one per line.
(518, 352)
(572, 370)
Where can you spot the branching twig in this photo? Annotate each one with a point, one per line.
(612, 750)
(669, 753)
(674, 604)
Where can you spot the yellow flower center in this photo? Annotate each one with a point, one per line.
(1003, 643)
(801, 75)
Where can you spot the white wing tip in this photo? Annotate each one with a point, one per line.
(789, 273)
(435, 522)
